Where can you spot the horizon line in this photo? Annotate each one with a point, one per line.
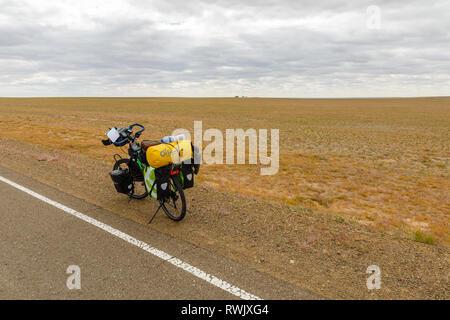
(218, 97)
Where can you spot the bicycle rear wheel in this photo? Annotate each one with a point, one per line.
(175, 205)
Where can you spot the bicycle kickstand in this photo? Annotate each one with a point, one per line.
(160, 205)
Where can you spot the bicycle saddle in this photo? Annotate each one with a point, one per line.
(145, 144)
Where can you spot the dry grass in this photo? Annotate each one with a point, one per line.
(383, 162)
(420, 237)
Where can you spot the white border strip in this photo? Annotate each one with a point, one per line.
(144, 246)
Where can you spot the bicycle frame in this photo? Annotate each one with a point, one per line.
(148, 173)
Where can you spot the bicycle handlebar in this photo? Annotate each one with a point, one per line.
(128, 138)
(139, 125)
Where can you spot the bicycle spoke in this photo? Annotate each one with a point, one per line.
(174, 203)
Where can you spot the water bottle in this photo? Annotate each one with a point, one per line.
(180, 137)
(168, 139)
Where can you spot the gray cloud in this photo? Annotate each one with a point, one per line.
(223, 48)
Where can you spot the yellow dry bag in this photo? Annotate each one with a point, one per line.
(167, 153)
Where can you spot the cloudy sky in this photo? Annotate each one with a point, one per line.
(264, 48)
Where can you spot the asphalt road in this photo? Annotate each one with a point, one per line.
(39, 242)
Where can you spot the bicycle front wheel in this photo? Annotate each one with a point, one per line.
(175, 204)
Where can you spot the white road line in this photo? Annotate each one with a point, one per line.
(144, 246)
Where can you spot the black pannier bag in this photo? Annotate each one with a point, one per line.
(188, 174)
(197, 157)
(122, 180)
(162, 185)
(191, 167)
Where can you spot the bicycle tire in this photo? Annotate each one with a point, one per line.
(179, 190)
